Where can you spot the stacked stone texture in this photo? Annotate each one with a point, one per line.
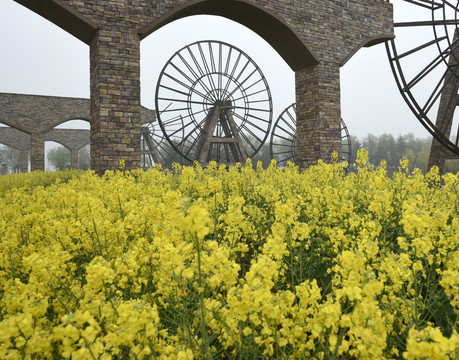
(72, 139)
(330, 31)
(449, 101)
(37, 116)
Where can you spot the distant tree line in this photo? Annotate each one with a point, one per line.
(387, 147)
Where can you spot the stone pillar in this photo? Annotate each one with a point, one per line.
(318, 113)
(437, 156)
(23, 161)
(74, 159)
(37, 151)
(449, 101)
(115, 98)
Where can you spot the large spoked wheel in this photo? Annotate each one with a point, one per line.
(424, 58)
(283, 145)
(154, 148)
(213, 103)
(283, 137)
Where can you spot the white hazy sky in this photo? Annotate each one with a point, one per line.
(37, 57)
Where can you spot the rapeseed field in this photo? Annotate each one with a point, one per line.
(235, 263)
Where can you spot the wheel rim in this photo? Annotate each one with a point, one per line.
(424, 58)
(155, 149)
(198, 78)
(283, 137)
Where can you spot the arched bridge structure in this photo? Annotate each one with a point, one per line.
(18, 140)
(72, 139)
(36, 117)
(315, 37)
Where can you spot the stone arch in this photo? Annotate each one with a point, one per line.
(17, 140)
(267, 25)
(62, 143)
(367, 42)
(71, 139)
(84, 117)
(64, 16)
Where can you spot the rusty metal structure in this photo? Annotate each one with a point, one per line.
(213, 103)
(155, 148)
(429, 38)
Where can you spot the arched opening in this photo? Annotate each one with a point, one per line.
(370, 99)
(15, 150)
(9, 160)
(67, 146)
(267, 25)
(57, 156)
(161, 45)
(77, 124)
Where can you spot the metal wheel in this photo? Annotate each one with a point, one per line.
(424, 59)
(346, 146)
(283, 146)
(155, 150)
(213, 103)
(283, 137)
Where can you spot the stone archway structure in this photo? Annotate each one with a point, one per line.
(315, 38)
(72, 139)
(38, 115)
(18, 140)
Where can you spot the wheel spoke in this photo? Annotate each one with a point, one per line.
(421, 47)
(439, 79)
(207, 69)
(253, 109)
(425, 3)
(187, 101)
(426, 71)
(436, 93)
(199, 78)
(425, 23)
(292, 129)
(191, 89)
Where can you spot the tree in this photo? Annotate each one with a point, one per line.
(452, 166)
(400, 145)
(422, 159)
(264, 155)
(59, 158)
(84, 158)
(10, 157)
(411, 156)
(370, 143)
(356, 145)
(385, 150)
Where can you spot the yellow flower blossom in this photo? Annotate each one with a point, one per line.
(230, 262)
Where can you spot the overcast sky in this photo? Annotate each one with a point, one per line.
(37, 57)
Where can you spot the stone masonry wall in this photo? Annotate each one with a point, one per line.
(72, 139)
(37, 116)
